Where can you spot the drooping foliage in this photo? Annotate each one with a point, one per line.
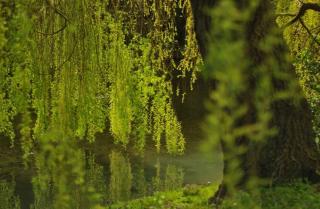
(81, 66)
(71, 69)
(15, 71)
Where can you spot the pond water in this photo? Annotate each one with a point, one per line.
(111, 173)
(121, 175)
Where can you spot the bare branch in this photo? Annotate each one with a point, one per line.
(303, 9)
(314, 38)
(299, 18)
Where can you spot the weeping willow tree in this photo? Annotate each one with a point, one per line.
(15, 64)
(75, 68)
(81, 66)
(71, 69)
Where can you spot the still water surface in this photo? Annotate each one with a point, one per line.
(121, 174)
(116, 174)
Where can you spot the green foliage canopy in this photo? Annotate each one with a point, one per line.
(77, 66)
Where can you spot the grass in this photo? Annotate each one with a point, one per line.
(297, 195)
(190, 197)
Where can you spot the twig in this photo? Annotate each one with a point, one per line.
(303, 9)
(298, 17)
(56, 10)
(309, 32)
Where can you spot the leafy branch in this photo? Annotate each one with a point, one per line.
(298, 17)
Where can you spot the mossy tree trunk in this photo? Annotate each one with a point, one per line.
(292, 153)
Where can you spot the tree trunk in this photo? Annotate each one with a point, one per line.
(292, 153)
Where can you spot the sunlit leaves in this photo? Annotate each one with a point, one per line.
(111, 61)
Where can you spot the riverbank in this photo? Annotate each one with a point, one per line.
(297, 195)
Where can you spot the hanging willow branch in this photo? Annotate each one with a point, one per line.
(60, 13)
(298, 17)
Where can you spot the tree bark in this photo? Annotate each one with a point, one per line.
(292, 153)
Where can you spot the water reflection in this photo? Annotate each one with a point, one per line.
(172, 179)
(59, 182)
(63, 180)
(139, 183)
(66, 175)
(120, 178)
(126, 183)
(96, 181)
